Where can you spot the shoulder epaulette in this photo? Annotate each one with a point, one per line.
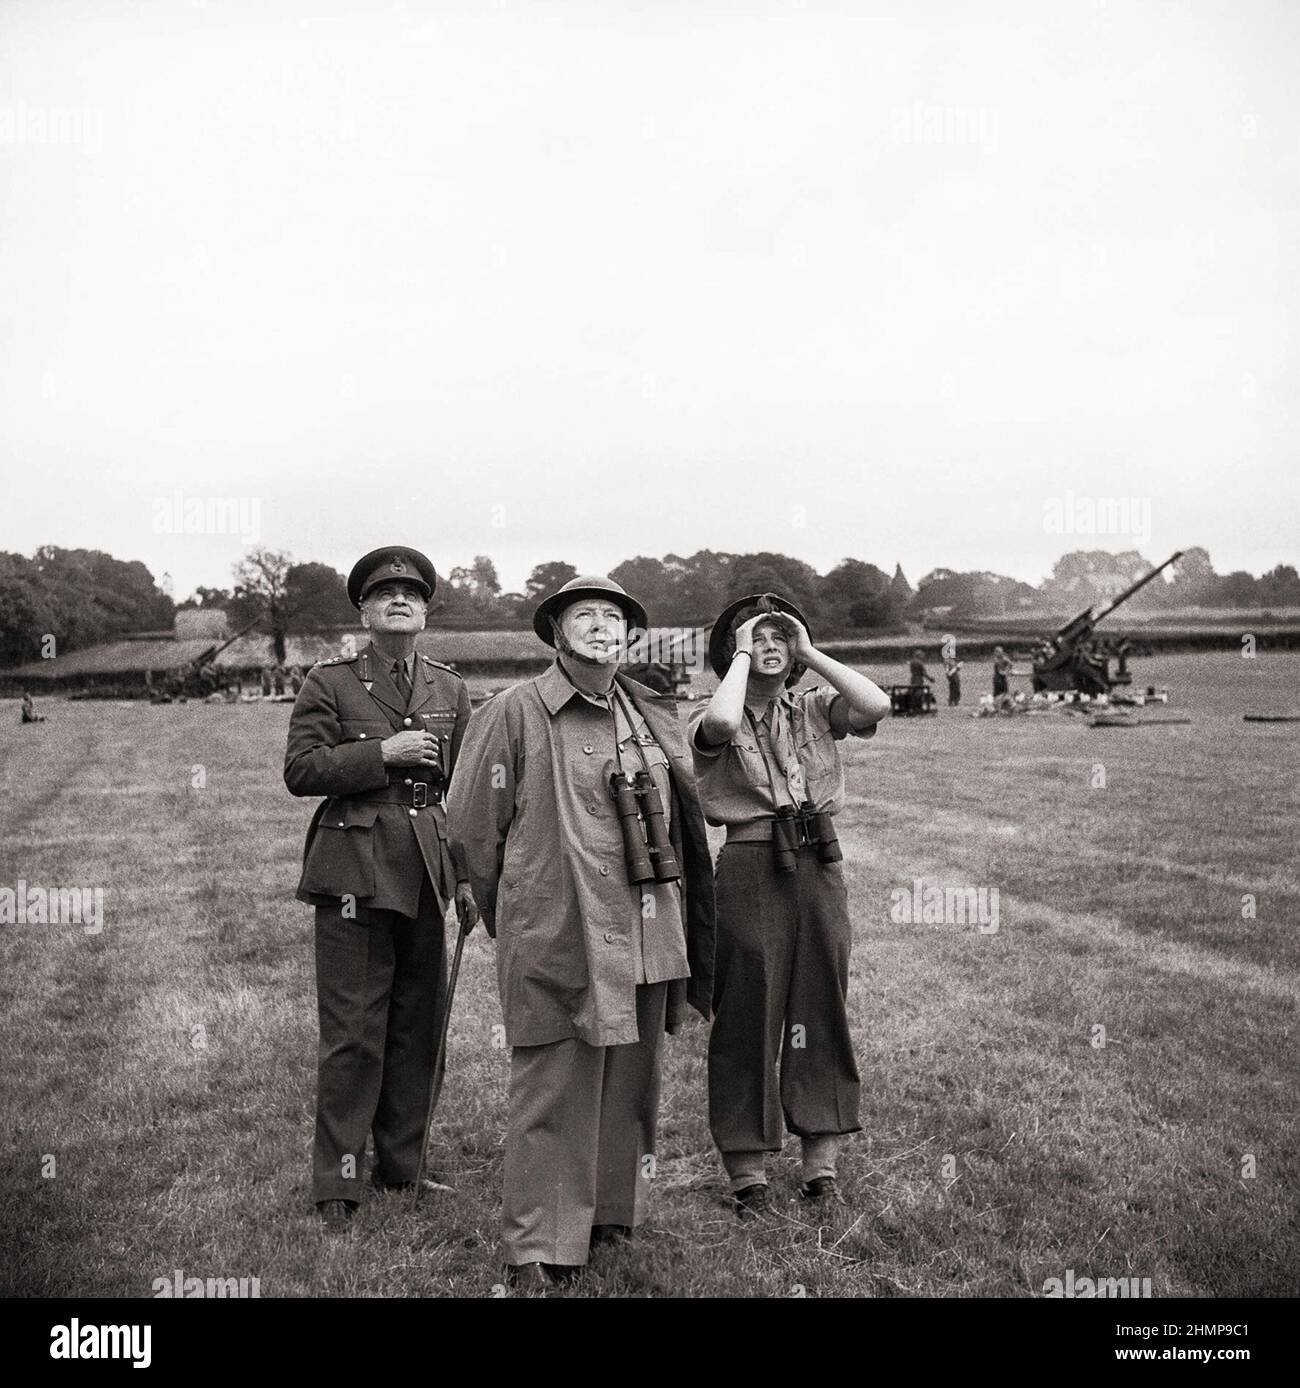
(450, 669)
(335, 660)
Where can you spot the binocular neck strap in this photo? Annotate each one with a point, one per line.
(617, 694)
(762, 751)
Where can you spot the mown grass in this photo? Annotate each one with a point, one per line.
(168, 1064)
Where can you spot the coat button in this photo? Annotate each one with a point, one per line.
(609, 937)
(340, 824)
(591, 809)
(408, 782)
(407, 721)
(362, 736)
(604, 872)
(412, 813)
(589, 749)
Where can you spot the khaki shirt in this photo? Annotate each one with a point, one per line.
(531, 810)
(733, 778)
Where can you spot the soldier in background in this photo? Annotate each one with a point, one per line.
(378, 734)
(918, 678)
(1002, 664)
(952, 670)
(29, 714)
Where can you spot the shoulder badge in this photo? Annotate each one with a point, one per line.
(438, 665)
(335, 660)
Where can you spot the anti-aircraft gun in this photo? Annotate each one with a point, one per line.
(200, 678)
(1073, 659)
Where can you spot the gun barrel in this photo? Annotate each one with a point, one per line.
(1141, 583)
(213, 652)
(1080, 627)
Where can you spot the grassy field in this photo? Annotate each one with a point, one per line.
(167, 1064)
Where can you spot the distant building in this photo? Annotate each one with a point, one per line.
(128, 667)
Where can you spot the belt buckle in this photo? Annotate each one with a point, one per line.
(420, 795)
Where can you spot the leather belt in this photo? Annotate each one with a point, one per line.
(758, 831)
(418, 795)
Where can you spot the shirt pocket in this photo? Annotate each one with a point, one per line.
(820, 759)
(364, 729)
(747, 762)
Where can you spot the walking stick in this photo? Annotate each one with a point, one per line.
(440, 1056)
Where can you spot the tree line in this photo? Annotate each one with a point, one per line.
(84, 597)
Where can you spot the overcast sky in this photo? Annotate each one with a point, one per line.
(583, 281)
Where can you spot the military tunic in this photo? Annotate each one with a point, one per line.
(378, 868)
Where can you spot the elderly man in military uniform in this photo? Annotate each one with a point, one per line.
(377, 733)
(603, 918)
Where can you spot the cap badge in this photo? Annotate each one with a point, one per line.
(397, 565)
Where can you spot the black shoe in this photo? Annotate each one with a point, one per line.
(821, 1190)
(754, 1202)
(336, 1215)
(609, 1233)
(541, 1277)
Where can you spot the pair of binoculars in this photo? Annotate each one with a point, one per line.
(647, 848)
(438, 775)
(792, 828)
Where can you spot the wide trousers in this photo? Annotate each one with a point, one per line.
(580, 1138)
(380, 989)
(780, 1047)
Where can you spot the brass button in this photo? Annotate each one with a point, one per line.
(591, 809)
(589, 749)
(362, 736)
(412, 813)
(407, 721)
(609, 937)
(340, 824)
(408, 781)
(604, 872)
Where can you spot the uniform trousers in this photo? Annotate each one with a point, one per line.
(380, 989)
(580, 1138)
(780, 1046)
